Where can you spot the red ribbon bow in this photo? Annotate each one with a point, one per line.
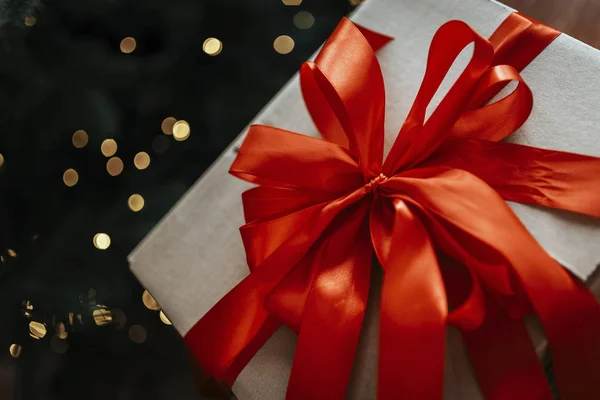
(433, 213)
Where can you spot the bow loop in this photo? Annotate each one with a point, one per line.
(412, 295)
(419, 138)
(344, 93)
(497, 120)
(277, 158)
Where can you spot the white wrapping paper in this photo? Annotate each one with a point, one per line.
(194, 256)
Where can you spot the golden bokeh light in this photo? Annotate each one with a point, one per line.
(11, 253)
(28, 308)
(149, 301)
(212, 46)
(61, 331)
(304, 20)
(70, 177)
(137, 334)
(102, 316)
(1, 160)
(102, 242)
(15, 350)
(80, 139)
(292, 2)
(114, 166)
(164, 319)
(181, 130)
(37, 330)
(135, 202)
(283, 44)
(108, 147)
(127, 45)
(30, 20)
(141, 160)
(59, 345)
(167, 125)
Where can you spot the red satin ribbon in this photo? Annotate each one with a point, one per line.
(452, 250)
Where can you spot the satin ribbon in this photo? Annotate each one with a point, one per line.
(434, 215)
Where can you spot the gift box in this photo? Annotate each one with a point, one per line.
(195, 255)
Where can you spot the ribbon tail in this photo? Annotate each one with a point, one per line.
(413, 312)
(505, 363)
(568, 311)
(334, 311)
(218, 338)
(526, 174)
(520, 39)
(572, 323)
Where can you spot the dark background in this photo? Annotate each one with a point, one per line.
(64, 72)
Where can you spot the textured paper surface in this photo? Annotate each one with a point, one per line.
(194, 256)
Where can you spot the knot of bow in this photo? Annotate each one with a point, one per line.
(433, 213)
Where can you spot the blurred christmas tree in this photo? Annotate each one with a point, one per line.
(89, 93)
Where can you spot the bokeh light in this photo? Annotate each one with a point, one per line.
(283, 44)
(15, 350)
(70, 177)
(102, 242)
(181, 130)
(304, 20)
(114, 166)
(212, 46)
(108, 147)
(128, 45)
(164, 318)
(141, 160)
(61, 331)
(80, 139)
(167, 125)
(149, 301)
(102, 316)
(135, 202)
(37, 330)
(30, 20)
(28, 308)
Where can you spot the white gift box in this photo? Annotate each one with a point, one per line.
(194, 256)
